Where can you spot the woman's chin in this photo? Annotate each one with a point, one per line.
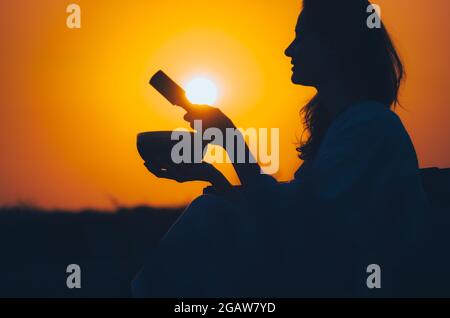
(298, 79)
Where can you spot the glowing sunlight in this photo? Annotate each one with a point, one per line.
(201, 90)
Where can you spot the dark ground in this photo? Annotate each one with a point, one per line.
(37, 246)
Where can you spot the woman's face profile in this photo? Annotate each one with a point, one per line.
(308, 55)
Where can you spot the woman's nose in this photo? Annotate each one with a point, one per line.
(289, 51)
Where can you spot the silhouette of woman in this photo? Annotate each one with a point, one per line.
(356, 200)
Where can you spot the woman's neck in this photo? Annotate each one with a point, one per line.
(336, 96)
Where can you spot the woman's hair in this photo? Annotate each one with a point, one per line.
(366, 56)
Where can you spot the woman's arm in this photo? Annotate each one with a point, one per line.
(189, 172)
(249, 172)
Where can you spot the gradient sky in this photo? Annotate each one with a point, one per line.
(73, 101)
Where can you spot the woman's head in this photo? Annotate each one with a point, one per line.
(335, 43)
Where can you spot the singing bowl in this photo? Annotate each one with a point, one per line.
(158, 146)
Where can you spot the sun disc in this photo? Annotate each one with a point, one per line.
(202, 91)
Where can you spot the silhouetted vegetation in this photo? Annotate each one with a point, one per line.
(37, 246)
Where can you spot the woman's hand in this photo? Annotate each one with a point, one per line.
(188, 172)
(211, 117)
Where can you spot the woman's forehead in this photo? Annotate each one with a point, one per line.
(301, 24)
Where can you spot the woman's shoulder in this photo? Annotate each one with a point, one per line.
(371, 114)
(367, 125)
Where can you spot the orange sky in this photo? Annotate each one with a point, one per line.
(73, 101)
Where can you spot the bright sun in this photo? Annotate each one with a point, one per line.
(202, 91)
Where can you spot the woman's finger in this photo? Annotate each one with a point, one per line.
(193, 116)
(197, 112)
(179, 173)
(187, 117)
(157, 171)
(169, 171)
